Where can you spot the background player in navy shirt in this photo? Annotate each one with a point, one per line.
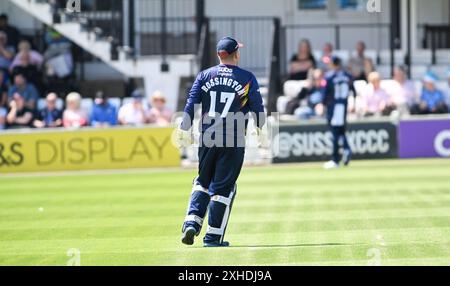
(338, 88)
(227, 94)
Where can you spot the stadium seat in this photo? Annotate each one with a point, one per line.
(443, 57)
(418, 85)
(42, 103)
(282, 102)
(87, 105)
(418, 71)
(384, 70)
(422, 57)
(317, 54)
(440, 71)
(344, 55)
(442, 85)
(115, 101)
(291, 88)
(385, 56)
(359, 85)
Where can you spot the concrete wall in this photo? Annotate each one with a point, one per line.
(17, 17)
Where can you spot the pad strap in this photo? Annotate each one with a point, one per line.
(194, 218)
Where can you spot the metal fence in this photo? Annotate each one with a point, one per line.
(436, 37)
(256, 33)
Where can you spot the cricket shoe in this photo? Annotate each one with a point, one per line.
(346, 157)
(188, 235)
(330, 165)
(216, 244)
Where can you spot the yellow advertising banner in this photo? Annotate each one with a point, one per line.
(87, 149)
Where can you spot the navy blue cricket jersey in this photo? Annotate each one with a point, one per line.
(338, 88)
(224, 91)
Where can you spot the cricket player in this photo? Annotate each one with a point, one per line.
(228, 95)
(338, 88)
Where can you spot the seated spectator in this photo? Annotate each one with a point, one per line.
(6, 52)
(325, 60)
(432, 100)
(35, 58)
(302, 62)
(50, 116)
(19, 115)
(104, 113)
(314, 94)
(27, 90)
(3, 113)
(133, 113)
(11, 32)
(159, 114)
(24, 67)
(360, 66)
(376, 101)
(74, 116)
(402, 91)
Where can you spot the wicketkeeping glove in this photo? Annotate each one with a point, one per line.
(183, 138)
(263, 137)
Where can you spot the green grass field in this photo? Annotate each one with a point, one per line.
(377, 212)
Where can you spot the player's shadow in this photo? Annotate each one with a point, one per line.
(292, 245)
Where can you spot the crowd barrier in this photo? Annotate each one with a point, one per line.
(418, 137)
(87, 149)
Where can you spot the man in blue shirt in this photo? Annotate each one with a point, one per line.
(432, 100)
(227, 94)
(50, 116)
(104, 114)
(26, 89)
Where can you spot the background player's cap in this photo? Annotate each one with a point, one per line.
(227, 46)
(336, 60)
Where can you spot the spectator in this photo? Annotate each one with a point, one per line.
(27, 90)
(50, 116)
(402, 91)
(302, 62)
(6, 52)
(19, 115)
(375, 99)
(159, 114)
(58, 55)
(3, 113)
(432, 100)
(104, 113)
(35, 58)
(3, 90)
(74, 116)
(3, 100)
(24, 67)
(11, 32)
(133, 113)
(360, 66)
(325, 60)
(314, 94)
